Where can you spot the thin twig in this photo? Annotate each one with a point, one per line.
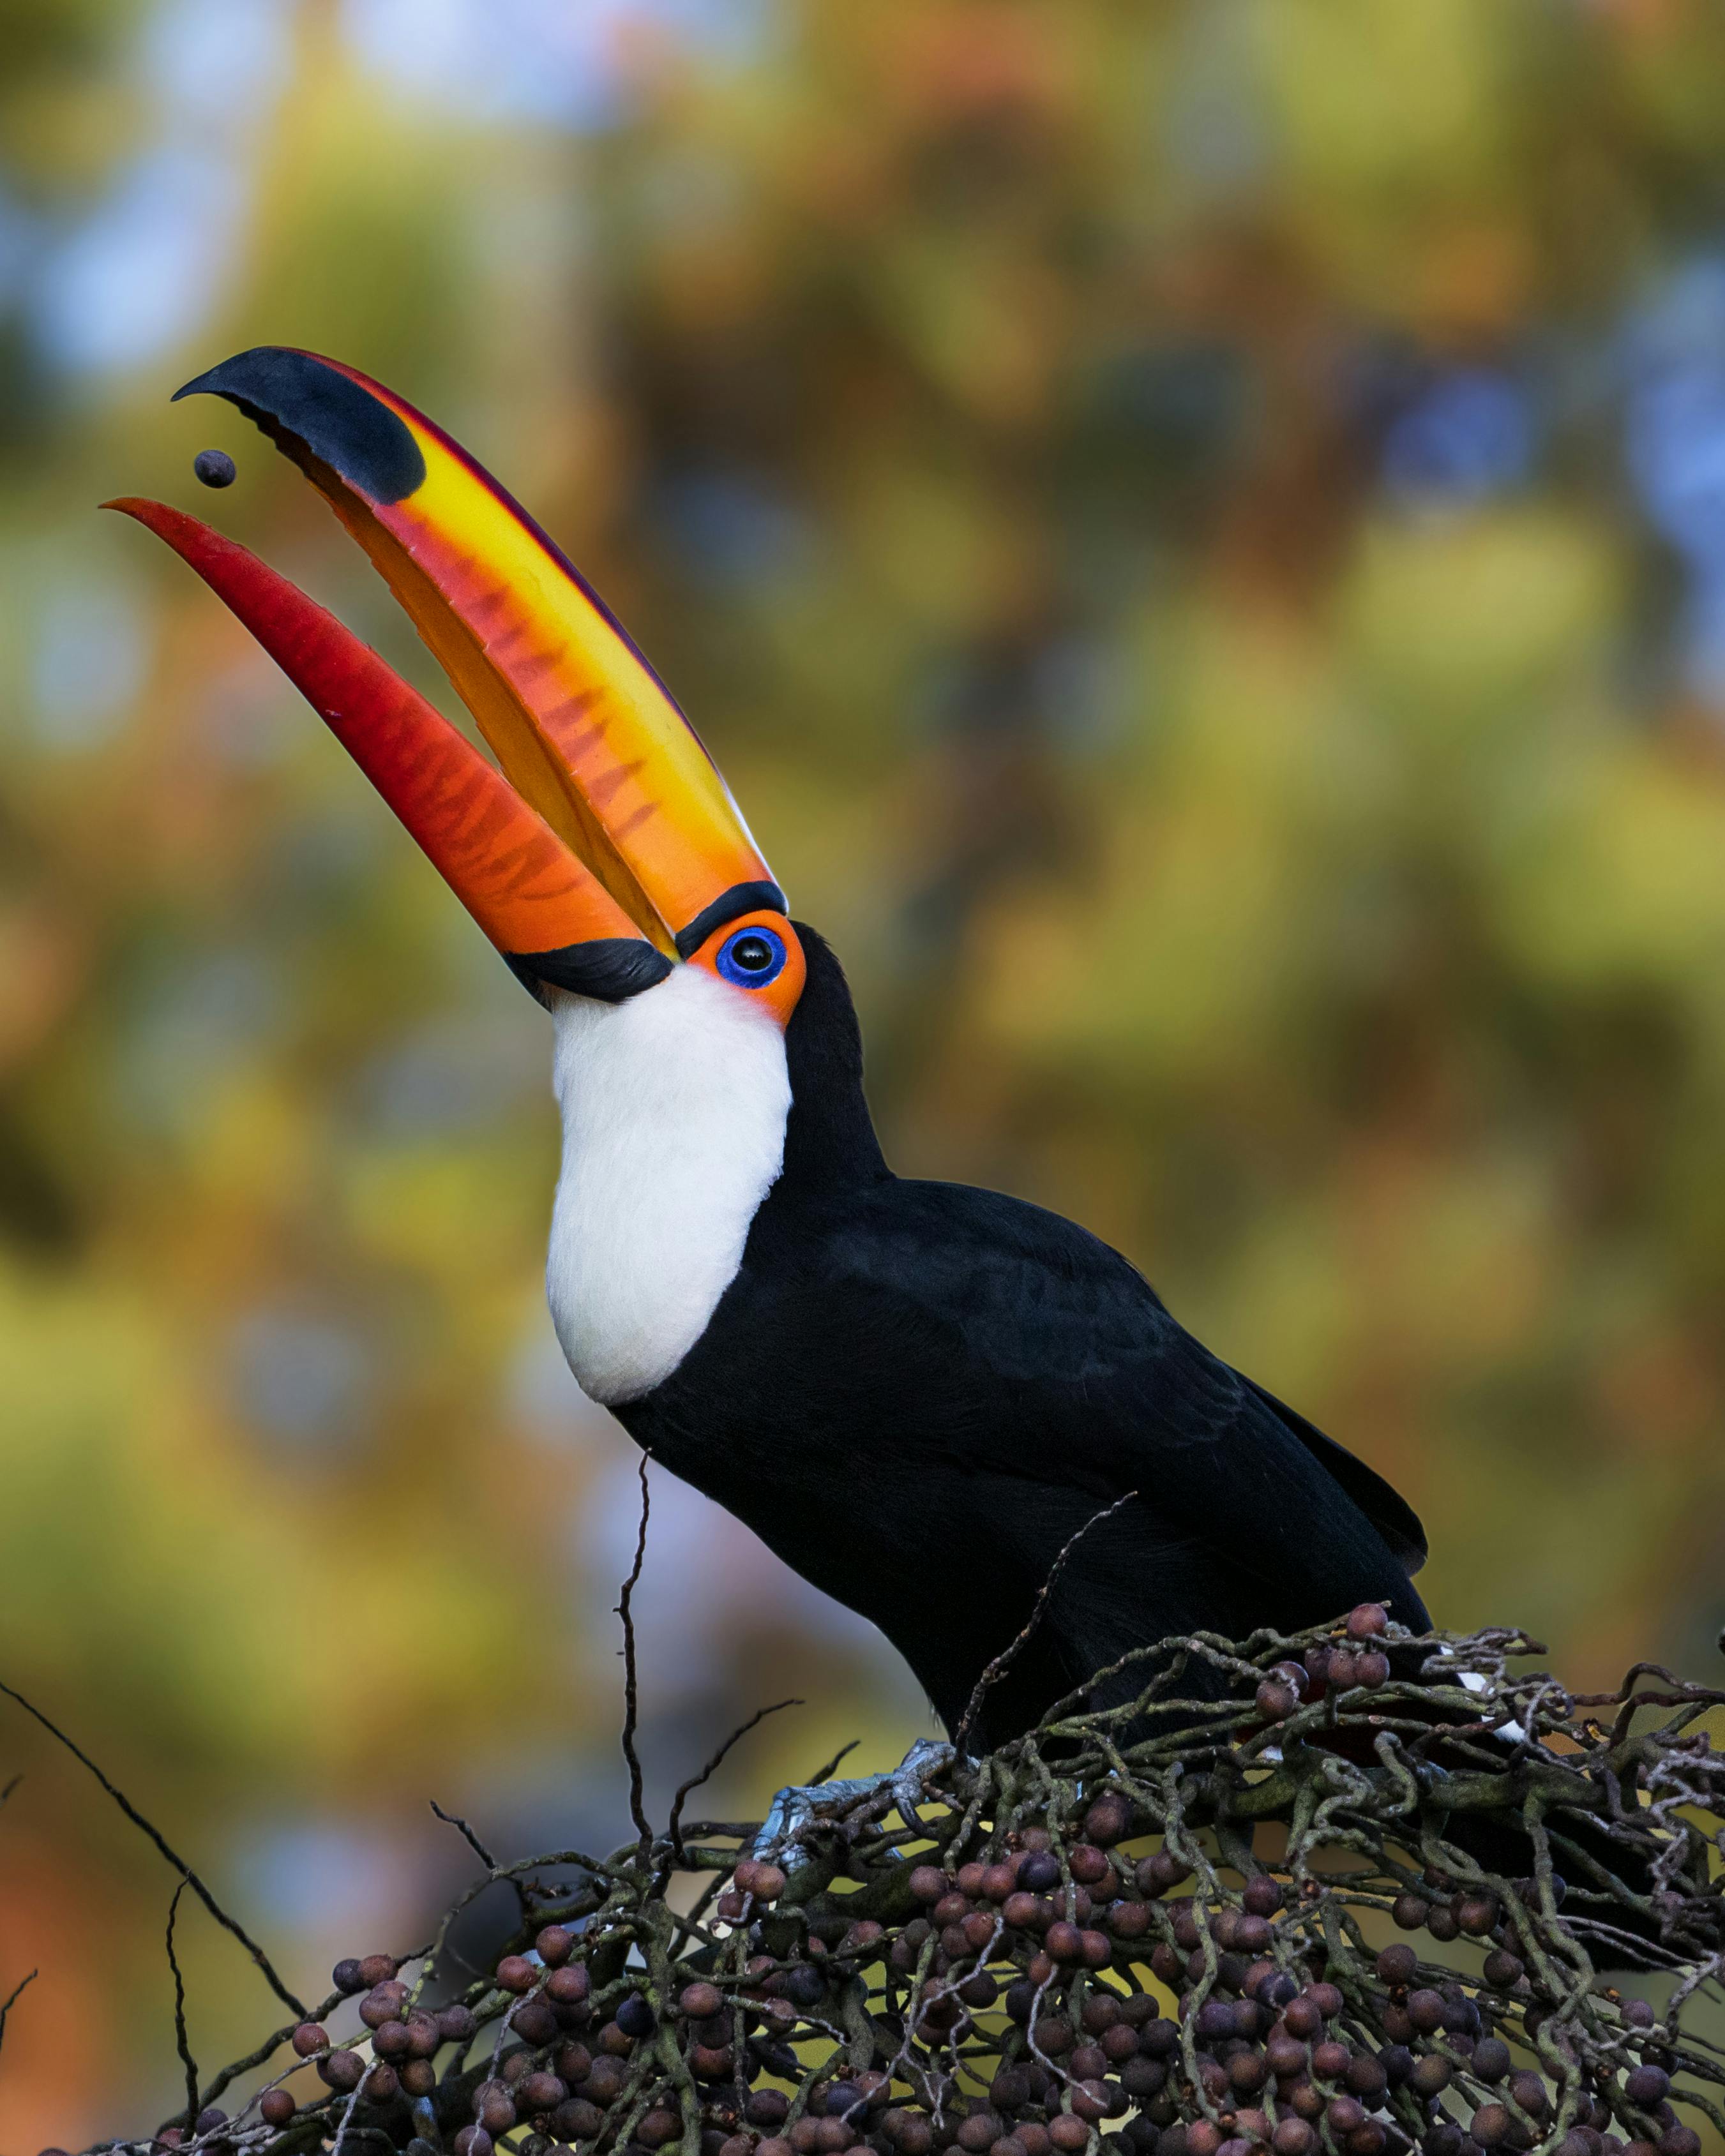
(467, 1833)
(23, 1984)
(182, 2038)
(1004, 1661)
(230, 1924)
(826, 1772)
(631, 1689)
(687, 1789)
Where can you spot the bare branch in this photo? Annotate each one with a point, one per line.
(687, 1789)
(467, 1833)
(23, 1984)
(228, 1923)
(631, 1689)
(182, 2039)
(826, 1772)
(1004, 1661)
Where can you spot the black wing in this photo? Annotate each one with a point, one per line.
(1112, 1395)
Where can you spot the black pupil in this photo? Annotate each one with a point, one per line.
(753, 953)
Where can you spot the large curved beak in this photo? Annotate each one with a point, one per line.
(598, 762)
(543, 909)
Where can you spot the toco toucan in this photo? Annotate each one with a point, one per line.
(916, 1392)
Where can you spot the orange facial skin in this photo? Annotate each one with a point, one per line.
(780, 996)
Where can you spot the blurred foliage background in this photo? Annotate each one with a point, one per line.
(1196, 530)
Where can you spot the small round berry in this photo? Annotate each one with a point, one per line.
(382, 2003)
(1399, 1965)
(635, 2017)
(214, 468)
(1089, 1865)
(1425, 2009)
(343, 2071)
(1408, 1912)
(1304, 2019)
(542, 2091)
(1367, 1621)
(346, 1978)
(309, 2039)
(554, 1945)
(493, 2106)
(516, 1973)
(1109, 1820)
(423, 2034)
(275, 2107)
(1431, 2076)
(534, 2022)
(1367, 2077)
(378, 1969)
(1648, 2085)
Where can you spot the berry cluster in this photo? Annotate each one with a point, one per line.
(1172, 1928)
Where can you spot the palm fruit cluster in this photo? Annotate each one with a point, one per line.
(1342, 1893)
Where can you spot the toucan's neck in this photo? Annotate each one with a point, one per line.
(829, 1139)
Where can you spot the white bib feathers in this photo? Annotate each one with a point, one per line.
(674, 1106)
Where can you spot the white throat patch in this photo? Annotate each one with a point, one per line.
(674, 1106)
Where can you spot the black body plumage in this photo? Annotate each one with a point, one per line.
(916, 1392)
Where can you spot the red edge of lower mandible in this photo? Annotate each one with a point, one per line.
(521, 883)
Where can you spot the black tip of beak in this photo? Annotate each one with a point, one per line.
(302, 402)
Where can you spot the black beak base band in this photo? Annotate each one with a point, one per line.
(610, 969)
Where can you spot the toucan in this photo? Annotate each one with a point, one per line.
(918, 1394)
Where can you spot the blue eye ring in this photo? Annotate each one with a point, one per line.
(752, 958)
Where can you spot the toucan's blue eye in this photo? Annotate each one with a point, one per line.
(752, 957)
